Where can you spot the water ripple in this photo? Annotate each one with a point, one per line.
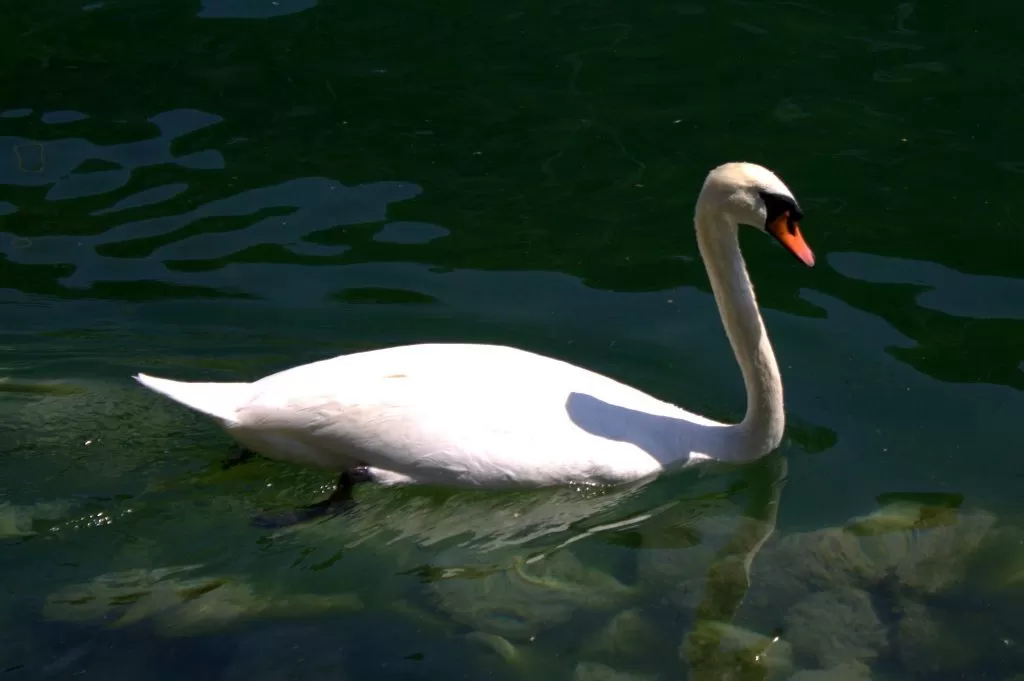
(955, 293)
(253, 9)
(147, 197)
(35, 163)
(140, 250)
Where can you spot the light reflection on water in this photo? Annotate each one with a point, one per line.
(307, 205)
(965, 295)
(252, 9)
(53, 162)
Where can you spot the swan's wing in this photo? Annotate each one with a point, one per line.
(466, 414)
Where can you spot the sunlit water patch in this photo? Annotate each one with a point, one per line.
(55, 162)
(253, 9)
(975, 296)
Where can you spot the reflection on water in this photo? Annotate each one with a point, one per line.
(946, 290)
(162, 248)
(146, 249)
(503, 174)
(32, 163)
(974, 319)
(58, 117)
(252, 9)
(497, 571)
(637, 581)
(409, 233)
(146, 197)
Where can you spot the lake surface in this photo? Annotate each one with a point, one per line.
(217, 190)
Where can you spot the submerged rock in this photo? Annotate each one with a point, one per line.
(19, 521)
(936, 639)
(836, 628)
(498, 644)
(844, 672)
(794, 567)
(627, 635)
(998, 565)
(520, 601)
(928, 644)
(181, 606)
(903, 511)
(595, 671)
(682, 572)
(718, 651)
(931, 560)
(925, 561)
(886, 584)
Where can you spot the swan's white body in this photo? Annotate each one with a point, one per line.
(473, 415)
(492, 416)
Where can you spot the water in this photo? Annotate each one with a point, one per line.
(222, 189)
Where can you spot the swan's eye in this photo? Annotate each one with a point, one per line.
(779, 204)
(783, 222)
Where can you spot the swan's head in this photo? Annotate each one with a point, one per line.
(750, 194)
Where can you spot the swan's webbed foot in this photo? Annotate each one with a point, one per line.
(339, 502)
(284, 519)
(356, 475)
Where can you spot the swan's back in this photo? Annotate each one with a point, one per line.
(479, 415)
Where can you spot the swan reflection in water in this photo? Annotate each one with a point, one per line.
(515, 564)
(503, 564)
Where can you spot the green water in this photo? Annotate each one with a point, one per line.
(218, 190)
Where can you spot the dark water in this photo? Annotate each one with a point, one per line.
(223, 189)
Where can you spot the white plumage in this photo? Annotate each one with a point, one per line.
(492, 416)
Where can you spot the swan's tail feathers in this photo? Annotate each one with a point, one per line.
(219, 400)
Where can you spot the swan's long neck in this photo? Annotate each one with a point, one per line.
(761, 428)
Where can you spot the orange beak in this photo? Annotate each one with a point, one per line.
(788, 233)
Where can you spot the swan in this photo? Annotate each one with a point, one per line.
(492, 416)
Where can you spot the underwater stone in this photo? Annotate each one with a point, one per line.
(836, 628)
(595, 671)
(720, 650)
(933, 640)
(844, 672)
(928, 645)
(520, 601)
(626, 635)
(182, 606)
(500, 645)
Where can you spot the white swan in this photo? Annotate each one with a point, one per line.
(492, 416)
